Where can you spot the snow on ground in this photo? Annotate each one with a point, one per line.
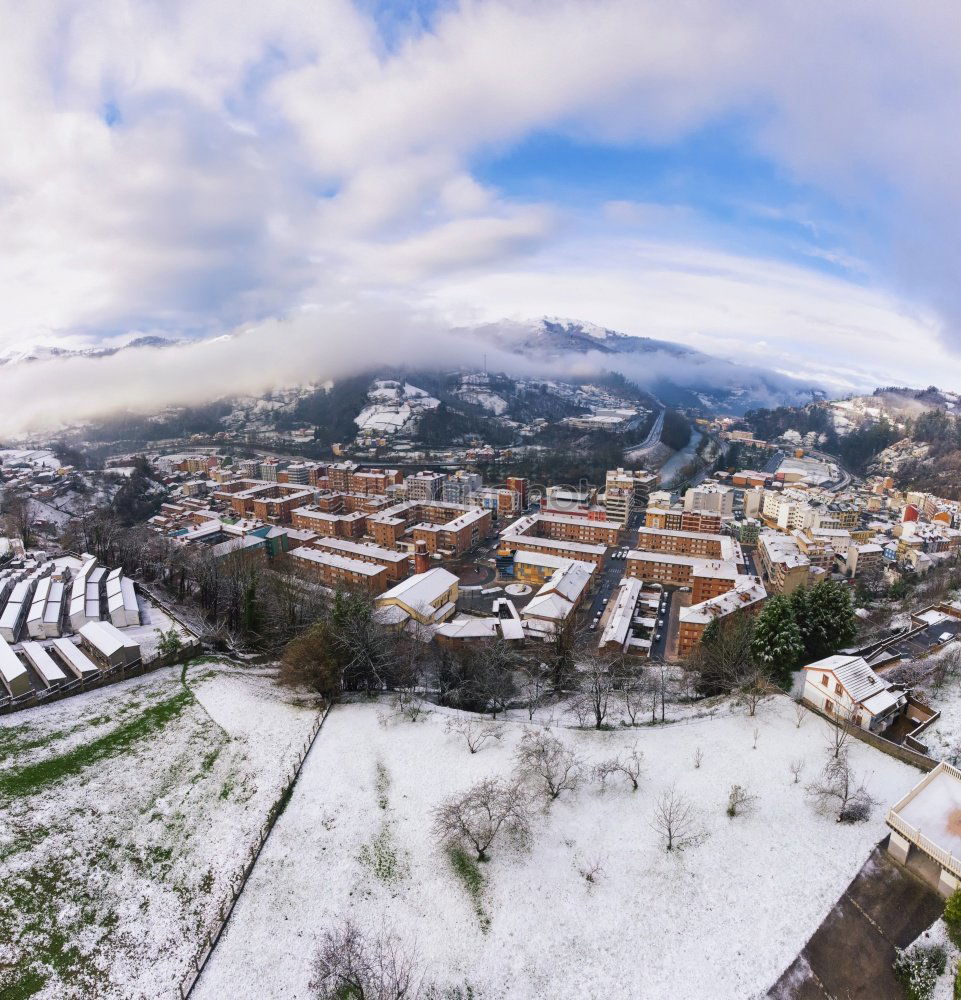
(153, 621)
(124, 814)
(937, 934)
(721, 920)
(943, 738)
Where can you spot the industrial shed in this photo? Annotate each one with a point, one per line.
(15, 613)
(74, 659)
(13, 673)
(107, 646)
(42, 662)
(122, 609)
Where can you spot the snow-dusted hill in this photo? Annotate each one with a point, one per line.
(678, 375)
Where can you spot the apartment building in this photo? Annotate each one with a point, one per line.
(339, 473)
(746, 597)
(783, 566)
(396, 563)
(577, 551)
(424, 486)
(567, 527)
(461, 486)
(664, 518)
(710, 498)
(373, 481)
(339, 572)
(536, 568)
(443, 527)
(325, 524)
(273, 502)
(269, 470)
(626, 490)
(705, 577)
(520, 486)
(690, 543)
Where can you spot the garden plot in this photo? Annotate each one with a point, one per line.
(124, 813)
(721, 919)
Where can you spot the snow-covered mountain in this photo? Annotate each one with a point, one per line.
(46, 352)
(678, 375)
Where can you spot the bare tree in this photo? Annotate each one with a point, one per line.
(947, 668)
(596, 687)
(591, 870)
(698, 757)
(476, 733)
(351, 964)
(838, 789)
(739, 800)
(800, 713)
(546, 764)
(754, 686)
(478, 816)
(796, 767)
(676, 820)
(494, 679)
(533, 687)
(20, 516)
(630, 763)
(839, 735)
(630, 685)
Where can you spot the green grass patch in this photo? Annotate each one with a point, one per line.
(33, 778)
(468, 871)
(382, 783)
(382, 857)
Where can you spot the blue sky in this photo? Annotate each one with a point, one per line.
(761, 180)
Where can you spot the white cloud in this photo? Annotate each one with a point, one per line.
(269, 157)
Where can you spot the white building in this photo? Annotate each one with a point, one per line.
(846, 687)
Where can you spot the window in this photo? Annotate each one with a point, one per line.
(824, 679)
(837, 688)
(828, 706)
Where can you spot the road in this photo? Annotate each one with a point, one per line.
(846, 477)
(610, 577)
(649, 442)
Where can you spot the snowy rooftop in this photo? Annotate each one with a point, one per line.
(748, 591)
(933, 809)
(853, 672)
(422, 589)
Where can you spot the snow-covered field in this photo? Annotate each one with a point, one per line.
(124, 814)
(721, 920)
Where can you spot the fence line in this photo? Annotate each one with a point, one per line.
(112, 675)
(239, 879)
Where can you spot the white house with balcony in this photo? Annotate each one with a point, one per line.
(845, 686)
(928, 819)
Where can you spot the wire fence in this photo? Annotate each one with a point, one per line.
(239, 879)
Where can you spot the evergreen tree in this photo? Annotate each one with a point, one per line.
(825, 615)
(777, 645)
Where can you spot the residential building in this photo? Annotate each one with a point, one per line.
(424, 599)
(710, 498)
(339, 572)
(424, 486)
(846, 687)
(626, 490)
(783, 566)
(396, 563)
(747, 596)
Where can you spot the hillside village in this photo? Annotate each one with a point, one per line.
(767, 650)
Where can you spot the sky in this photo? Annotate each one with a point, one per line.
(770, 182)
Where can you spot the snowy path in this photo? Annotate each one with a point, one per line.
(722, 920)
